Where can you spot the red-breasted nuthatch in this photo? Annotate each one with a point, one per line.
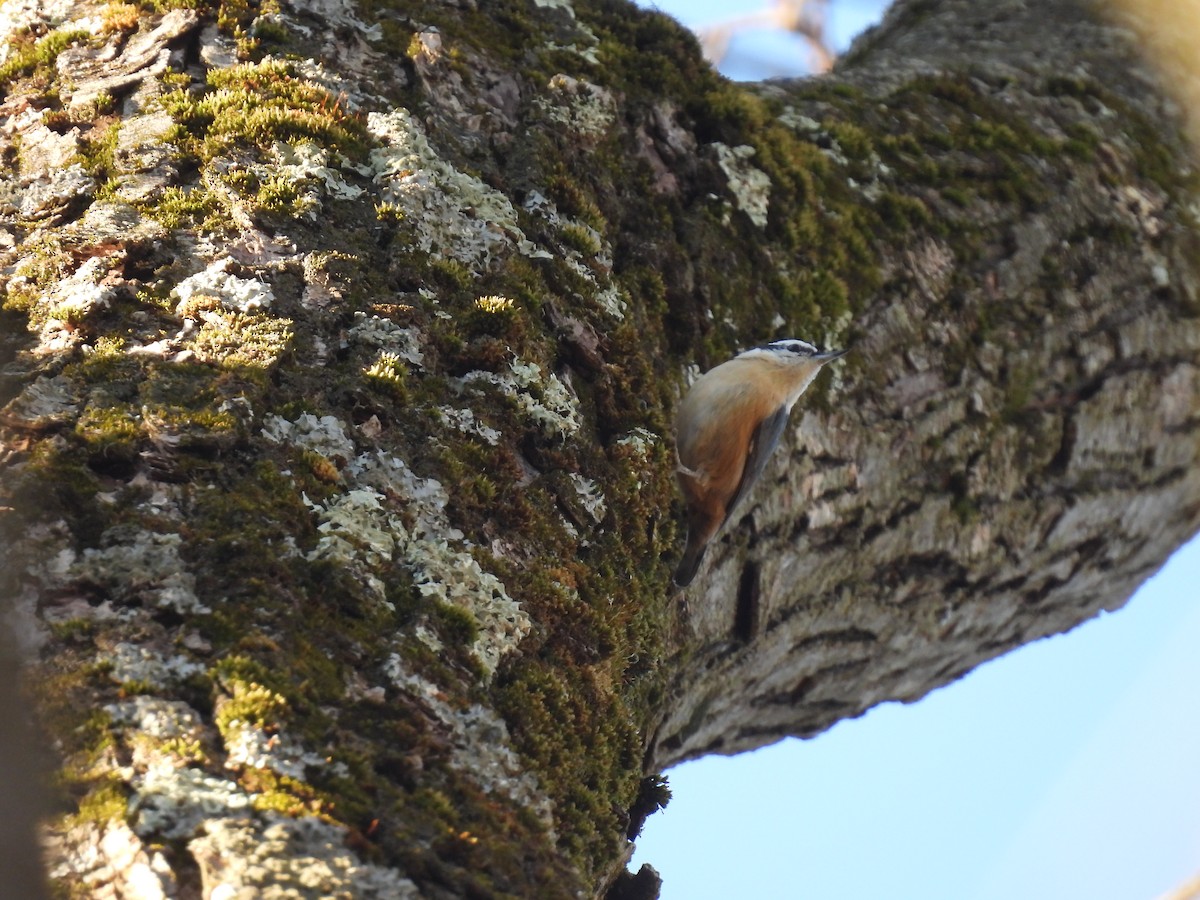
(726, 429)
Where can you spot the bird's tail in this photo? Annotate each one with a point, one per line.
(692, 556)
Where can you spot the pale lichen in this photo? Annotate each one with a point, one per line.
(584, 250)
(47, 196)
(302, 171)
(439, 558)
(172, 801)
(271, 855)
(613, 301)
(129, 663)
(253, 725)
(153, 724)
(480, 744)
(231, 291)
(544, 400)
(46, 403)
(466, 422)
(640, 439)
(389, 514)
(588, 45)
(591, 497)
(112, 860)
(337, 14)
(579, 107)
(454, 215)
(386, 335)
(750, 186)
(58, 309)
(140, 567)
(323, 435)
(58, 301)
(358, 531)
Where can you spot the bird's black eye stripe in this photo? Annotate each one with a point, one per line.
(799, 348)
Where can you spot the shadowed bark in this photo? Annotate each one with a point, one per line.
(340, 348)
(1012, 447)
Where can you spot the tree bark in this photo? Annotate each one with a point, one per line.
(340, 348)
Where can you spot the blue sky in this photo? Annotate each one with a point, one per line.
(765, 53)
(1067, 769)
(1064, 770)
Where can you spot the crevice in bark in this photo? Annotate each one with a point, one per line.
(747, 617)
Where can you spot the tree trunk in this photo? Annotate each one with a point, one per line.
(340, 349)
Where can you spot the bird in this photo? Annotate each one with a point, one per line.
(726, 429)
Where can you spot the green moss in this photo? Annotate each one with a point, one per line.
(1083, 142)
(256, 105)
(965, 144)
(240, 340)
(274, 195)
(21, 299)
(107, 362)
(958, 196)
(246, 519)
(119, 17)
(573, 201)
(43, 263)
(269, 31)
(178, 207)
(901, 213)
(182, 749)
(591, 769)
(30, 56)
(499, 317)
(653, 795)
(643, 53)
(106, 802)
(599, 598)
(1070, 86)
(111, 434)
(965, 509)
(249, 703)
(451, 274)
(388, 372)
(1017, 395)
(72, 631)
(266, 508)
(285, 802)
(389, 213)
(257, 590)
(580, 239)
(853, 141)
(457, 626)
(57, 481)
(138, 688)
(1154, 158)
(727, 112)
(233, 17)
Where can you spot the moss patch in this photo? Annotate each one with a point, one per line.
(31, 56)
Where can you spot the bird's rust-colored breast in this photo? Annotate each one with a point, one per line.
(716, 421)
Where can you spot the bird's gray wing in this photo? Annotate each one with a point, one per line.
(762, 445)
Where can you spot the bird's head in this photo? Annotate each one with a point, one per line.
(791, 351)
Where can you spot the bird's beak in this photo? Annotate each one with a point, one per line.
(830, 355)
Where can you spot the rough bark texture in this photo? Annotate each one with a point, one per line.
(340, 347)
(1014, 448)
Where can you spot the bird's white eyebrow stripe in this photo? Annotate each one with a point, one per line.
(790, 346)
